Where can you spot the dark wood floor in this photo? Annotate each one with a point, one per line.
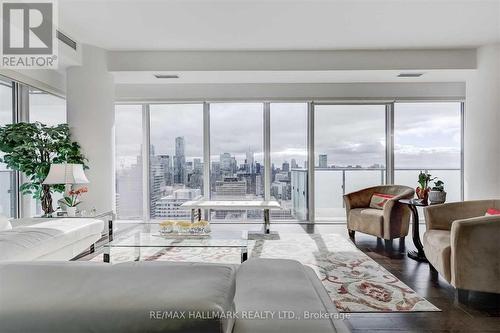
(481, 314)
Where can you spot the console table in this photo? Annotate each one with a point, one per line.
(266, 205)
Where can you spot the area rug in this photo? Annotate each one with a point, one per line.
(355, 282)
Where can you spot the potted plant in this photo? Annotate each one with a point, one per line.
(437, 195)
(72, 200)
(423, 189)
(30, 148)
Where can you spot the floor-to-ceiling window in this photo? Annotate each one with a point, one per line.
(128, 161)
(236, 156)
(349, 154)
(288, 183)
(7, 191)
(176, 158)
(427, 137)
(22, 103)
(49, 110)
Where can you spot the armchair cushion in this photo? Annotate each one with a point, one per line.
(437, 249)
(378, 200)
(367, 220)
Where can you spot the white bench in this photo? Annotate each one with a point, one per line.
(265, 205)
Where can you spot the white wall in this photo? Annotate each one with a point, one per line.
(482, 127)
(90, 105)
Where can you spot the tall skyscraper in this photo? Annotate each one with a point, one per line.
(179, 161)
(294, 164)
(323, 161)
(250, 162)
(285, 167)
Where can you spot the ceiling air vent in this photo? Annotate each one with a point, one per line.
(66, 40)
(166, 76)
(410, 74)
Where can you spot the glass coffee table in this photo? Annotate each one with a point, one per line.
(141, 240)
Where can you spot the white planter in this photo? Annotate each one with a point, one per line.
(71, 211)
(437, 197)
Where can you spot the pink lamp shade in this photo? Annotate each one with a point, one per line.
(66, 174)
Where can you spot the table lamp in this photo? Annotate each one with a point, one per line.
(67, 174)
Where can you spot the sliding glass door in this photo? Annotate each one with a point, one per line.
(288, 183)
(350, 154)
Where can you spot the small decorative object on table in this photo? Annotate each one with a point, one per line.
(184, 228)
(423, 189)
(72, 201)
(437, 195)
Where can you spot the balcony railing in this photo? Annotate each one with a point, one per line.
(332, 183)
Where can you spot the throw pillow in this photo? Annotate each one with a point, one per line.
(378, 200)
(4, 223)
(492, 211)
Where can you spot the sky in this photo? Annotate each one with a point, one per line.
(427, 135)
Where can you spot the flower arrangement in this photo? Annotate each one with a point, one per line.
(423, 188)
(72, 199)
(184, 227)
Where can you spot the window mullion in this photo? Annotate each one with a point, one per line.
(267, 151)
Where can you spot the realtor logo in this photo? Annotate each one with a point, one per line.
(28, 34)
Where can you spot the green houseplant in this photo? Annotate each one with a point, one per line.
(437, 195)
(30, 148)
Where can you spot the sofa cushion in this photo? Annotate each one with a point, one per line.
(34, 241)
(272, 286)
(367, 220)
(438, 251)
(127, 297)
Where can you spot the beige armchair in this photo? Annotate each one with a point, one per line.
(388, 223)
(463, 245)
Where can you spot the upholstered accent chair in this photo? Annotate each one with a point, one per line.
(388, 223)
(463, 245)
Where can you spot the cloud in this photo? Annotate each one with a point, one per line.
(425, 133)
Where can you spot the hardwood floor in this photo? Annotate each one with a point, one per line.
(481, 314)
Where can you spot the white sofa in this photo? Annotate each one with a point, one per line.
(151, 296)
(57, 239)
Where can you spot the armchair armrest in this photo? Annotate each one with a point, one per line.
(397, 216)
(442, 216)
(475, 249)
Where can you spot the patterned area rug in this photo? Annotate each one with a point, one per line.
(355, 282)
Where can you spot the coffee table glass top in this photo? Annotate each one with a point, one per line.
(152, 239)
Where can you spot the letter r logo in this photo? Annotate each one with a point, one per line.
(27, 28)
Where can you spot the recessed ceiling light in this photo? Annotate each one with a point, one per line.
(410, 74)
(166, 76)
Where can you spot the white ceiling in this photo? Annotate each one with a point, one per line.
(280, 24)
